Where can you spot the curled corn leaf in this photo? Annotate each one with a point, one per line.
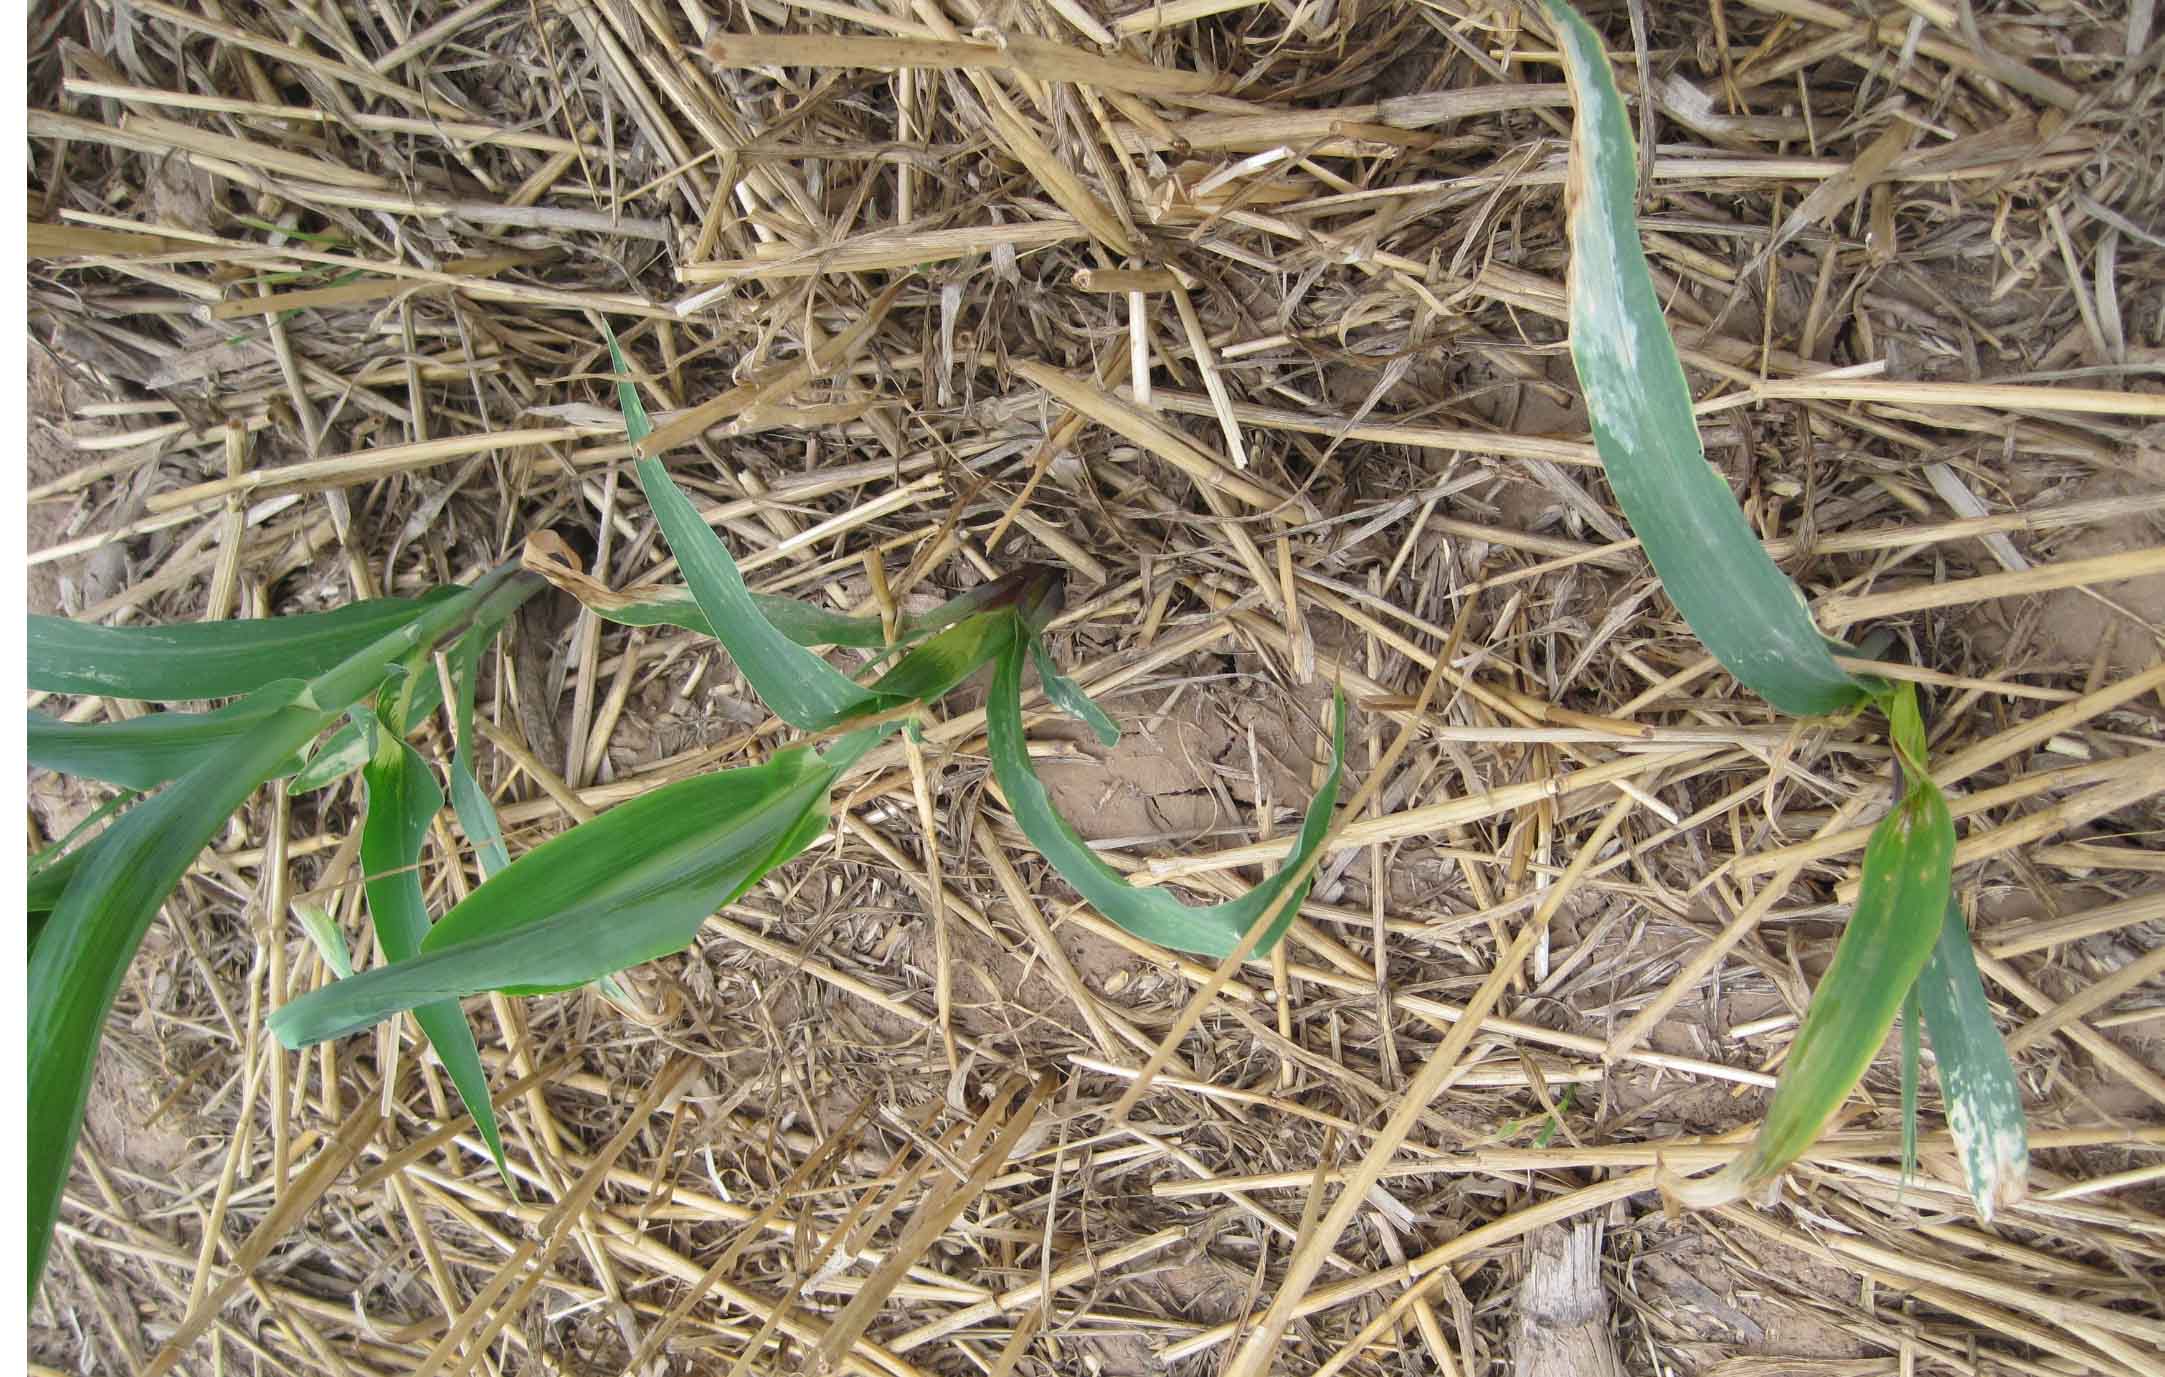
(324, 936)
(1151, 914)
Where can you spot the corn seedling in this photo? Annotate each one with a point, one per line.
(1905, 945)
(637, 882)
(92, 898)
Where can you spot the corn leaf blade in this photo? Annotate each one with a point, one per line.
(1067, 695)
(99, 920)
(476, 814)
(1151, 914)
(1889, 938)
(655, 604)
(324, 936)
(647, 845)
(52, 868)
(402, 799)
(1745, 611)
(673, 605)
(1976, 1076)
(195, 660)
(801, 622)
(799, 687)
(145, 752)
(629, 886)
(930, 671)
(346, 750)
(636, 425)
(1912, 1017)
(796, 685)
(47, 883)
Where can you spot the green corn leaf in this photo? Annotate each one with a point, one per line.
(1067, 695)
(338, 755)
(799, 687)
(95, 927)
(661, 842)
(345, 750)
(1151, 914)
(195, 660)
(636, 425)
(51, 855)
(801, 622)
(1890, 936)
(1711, 565)
(324, 936)
(476, 814)
(1911, 1053)
(930, 671)
(1976, 1077)
(402, 799)
(631, 885)
(50, 869)
(48, 882)
(808, 625)
(843, 753)
(145, 752)
(1905, 732)
(98, 921)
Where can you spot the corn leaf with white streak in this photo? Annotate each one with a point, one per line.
(1976, 1076)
